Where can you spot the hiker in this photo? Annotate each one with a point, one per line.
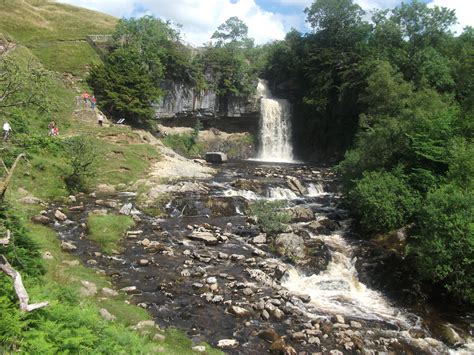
(85, 97)
(93, 102)
(100, 119)
(55, 130)
(51, 128)
(6, 130)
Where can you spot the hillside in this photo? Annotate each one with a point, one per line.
(54, 32)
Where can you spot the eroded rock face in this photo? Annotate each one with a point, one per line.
(216, 157)
(290, 245)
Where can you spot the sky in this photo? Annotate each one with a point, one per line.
(267, 20)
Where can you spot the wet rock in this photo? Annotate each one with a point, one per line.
(249, 185)
(338, 319)
(40, 219)
(280, 347)
(355, 324)
(237, 257)
(206, 237)
(88, 289)
(211, 280)
(247, 291)
(60, 216)
(217, 299)
(278, 314)
(130, 289)
(144, 262)
(295, 185)
(134, 233)
(91, 262)
(260, 239)
(290, 245)
(227, 343)
(238, 311)
(108, 292)
(314, 340)
(68, 246)
(197, 285)
(301, 214)
(298, 336)
(269, 335)
(265, 315)
(216, 157)
(447, 334)
(106, 315)
(126, 209)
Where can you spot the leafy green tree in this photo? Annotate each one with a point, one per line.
(124, 86)
(444, 242)
(233, 32)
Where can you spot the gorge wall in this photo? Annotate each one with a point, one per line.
(182, 106)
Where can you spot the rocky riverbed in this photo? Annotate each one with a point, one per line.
(206, 268)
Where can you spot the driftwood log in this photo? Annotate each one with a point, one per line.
(19, 287)
(6, 181)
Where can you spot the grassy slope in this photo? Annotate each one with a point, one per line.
(55, 32)
(37, 25)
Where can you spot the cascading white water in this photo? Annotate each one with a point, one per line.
(338, 289)
(315, 190)
(275, 127)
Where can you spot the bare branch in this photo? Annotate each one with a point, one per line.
(20, 289)
(6, 181)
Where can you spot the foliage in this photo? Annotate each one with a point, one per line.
(382, 202)
(271, 216)
(108, 230)
(233, 32)
(185, 144)
(124, 86)
(80, 156)
(444, 242)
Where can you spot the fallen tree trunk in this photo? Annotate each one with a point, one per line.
(6, 240)
(19, 288)
(6, 181)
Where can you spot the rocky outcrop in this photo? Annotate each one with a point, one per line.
(290, 245)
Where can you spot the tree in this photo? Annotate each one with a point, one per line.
(20, 87)
(233, 32)
(124, 86)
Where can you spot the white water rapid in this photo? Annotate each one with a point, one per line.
(275, 127)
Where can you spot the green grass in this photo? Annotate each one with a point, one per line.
(184, 145)
(108, 230)
(66, 57)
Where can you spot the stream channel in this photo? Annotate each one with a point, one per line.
(205, 268)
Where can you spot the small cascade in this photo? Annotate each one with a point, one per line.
(248, 195)
(338, 289)
(315, 190)
(275, 127)
(281, 193)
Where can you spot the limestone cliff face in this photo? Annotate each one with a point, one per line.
(231, 113)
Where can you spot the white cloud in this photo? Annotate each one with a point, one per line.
(199, 18)
(464, 12)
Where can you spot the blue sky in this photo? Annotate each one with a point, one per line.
(267, 19)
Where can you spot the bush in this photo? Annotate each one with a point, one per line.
(184, 144)
(80, 156)
(270, 216)
(382, 201)
(444, 242)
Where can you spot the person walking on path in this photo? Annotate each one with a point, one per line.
(93, 102)
(100, 119)
(6, 130)
(85, 97)
(51, 126)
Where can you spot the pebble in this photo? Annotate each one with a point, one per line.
(247, 291)
(223, 256)
(197, 285)
(227, 343)
(143, 262)
(338, 319)
(211, 280)
(355, 324)
(265, 315)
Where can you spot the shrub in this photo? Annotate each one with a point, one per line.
(382, 201)
(184, 144)
(270, 216)
(444, 242)
(80, 156)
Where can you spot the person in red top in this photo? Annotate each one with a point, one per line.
(93, 102)
(85, 97)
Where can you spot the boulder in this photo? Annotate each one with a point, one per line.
(108, 292)
(301, 214)
(260, 239)
(88, 288)
(60, 216)
(227, 343)
(106, 315)
(207, 237)
(290, 245)
(126, 209)
(31, 200)
(68, 246)
(216, 157)
(104, 189)
(40, 219)
(238, 311)
(295, 185)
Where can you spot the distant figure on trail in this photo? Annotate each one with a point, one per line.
(100, 119)
(56, 131)
(51, 126)
(93, 102)
(85, 97)
(6, 130)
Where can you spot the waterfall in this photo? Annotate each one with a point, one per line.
(275, 127)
